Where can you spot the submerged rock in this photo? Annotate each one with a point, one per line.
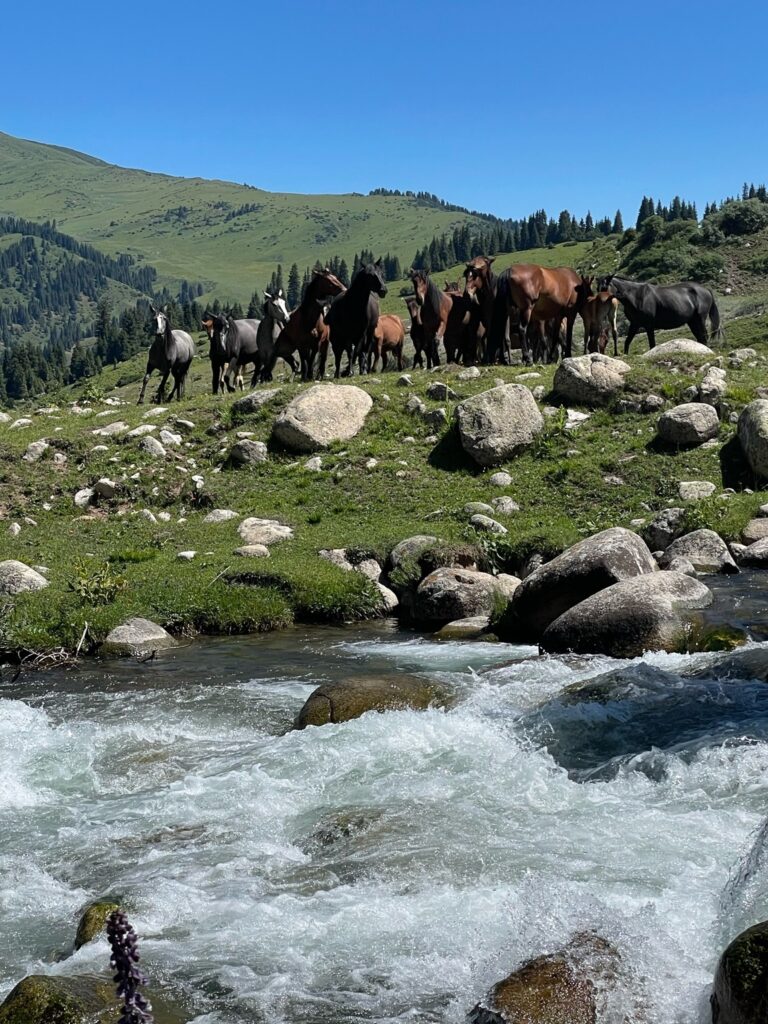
(44, 999)
(464, 629)
(93, 921)
(740, 994)
(350, 698)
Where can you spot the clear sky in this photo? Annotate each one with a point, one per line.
(499, 106)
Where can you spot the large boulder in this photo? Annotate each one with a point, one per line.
(349, 698)
(16, 578)
(590, 565)
(410, 548)
(453, 593)
(321, 415)
(135, 636)
(590, 380)
(753, 435)
(496, 424)
(677, 350)
(688, 425)
(44, 999)
(558, 988)
(705, 549)
(263, 531)
(740, 994)
(646, 613)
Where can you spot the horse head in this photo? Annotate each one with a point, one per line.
(608, 283)
(451, 286)
(326, 284)
(373, 274)
(477, 275)
(420, 282)
(207, 324)
(584, 290)
(160, 320)
(275, 307)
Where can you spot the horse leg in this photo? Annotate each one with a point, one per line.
(615, 334)
(216, 377)
(698, 328)
(161, 390)
(651, 337)
(525, 319)
(633, 329)
(144, 385)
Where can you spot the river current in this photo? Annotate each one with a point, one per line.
(394, 867)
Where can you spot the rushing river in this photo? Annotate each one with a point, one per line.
(392, 867)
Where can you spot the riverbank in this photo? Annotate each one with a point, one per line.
(404, 473)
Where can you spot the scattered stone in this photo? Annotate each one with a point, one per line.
(35, 451)
(756, 529)
(100, 448)
(500, 479)
(18, 424)
(496, 424)
(314, 465)
(504, 505)
(613, 481)
(487, 525)
(337, 557)
(111, 429)
(436, 419)
(740, 993)
(405, 380)
(264, 531)
(81, 410)
(248, 453)
(186, 556)
(164, 517)
(93, 921)
(663, 528)
(755, 556)
(220, 515)
(651, 403)
(455, 593)
(471, 373)
(4, 417)
(321, 415)
(538, 392)
(253, 551)
(591, 380)
(148, 515)
(574, 418)
(625, 620)
(683, 565)
(169, 438)
(389, 598)
(84, 497)
(464, 629)
(441, 392)
(17, 578)
(347, 699)
(60, 999)
(14, 529)
(152, 447)
(474, 507)
(695, 490)
(371, 463)
(712, 389)
(252, 402)
(59, 459)
(137, 635)
(184, 424)
(676, 350)
(705, 549)
(410, 548)
(688, 425)
(142, 430)
(105, 488)
(415, 406)
(753, 435)
(741, 355)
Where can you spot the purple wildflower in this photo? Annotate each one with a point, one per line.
(128, 977)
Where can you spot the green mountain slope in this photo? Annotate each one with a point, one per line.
(227, 235)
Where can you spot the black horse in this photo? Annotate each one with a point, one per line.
(652, 307)
(353, 316)
(233, 344)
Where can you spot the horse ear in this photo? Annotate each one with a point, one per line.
(153, 309)
(267, 295)
(279, 293)
(490, 260)
(378, 262)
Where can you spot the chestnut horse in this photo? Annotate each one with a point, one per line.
(435, 308)
(537, 293)
(306, 330)
(598, 313)
(387, 338)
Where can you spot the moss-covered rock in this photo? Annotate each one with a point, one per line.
(350, 698)
(39, 999)
(740, 994)
(93, 921)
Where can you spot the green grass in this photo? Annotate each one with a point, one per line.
(417, 486)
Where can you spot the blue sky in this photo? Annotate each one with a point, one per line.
(503, 107)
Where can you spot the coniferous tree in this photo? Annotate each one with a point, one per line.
(294, 287)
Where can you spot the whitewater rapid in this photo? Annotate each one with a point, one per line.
(394, 867)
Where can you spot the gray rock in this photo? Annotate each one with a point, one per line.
(337, 557)
(756, 529)
(35, 451)
(496, 424)
(753, 435)
(321, 415)
(369, 567)
(84, 497)
(17, 578)
(4, 417)
(105, 488)
(663, 528)
(414, 406)
(705, 549)
(590, 565)
(186, 556)
(389, 598)
(142, 430)
(695, 490)
(409, 548)
(740, 994)
(19, 424)
(253, 551)
(688, 425)
(471, 373)
(405, 380)
(248, 453)
(487, 525)
(473, 508)
(454, 593)
(441, 392)
(264, 531)
(755, 556)
(591, 380)
(646, 613)
(741, 355)
(713, 387)
(137, 635)
(185, 424)
(147, 514)
(253, 401)
(464, 629)
(677, 350)
(170, 439)
(220, 515)
(508, 584)
(500, 479)
(14, 529)
(683, 565)
(651, 403)
(538, 392)
(314, 465)
(152, 447)
(435, 419)
(504, 505)
(111, 429)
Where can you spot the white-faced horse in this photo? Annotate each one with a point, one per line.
(170, 352)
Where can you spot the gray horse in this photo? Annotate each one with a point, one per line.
(275, 317)
(170, 352)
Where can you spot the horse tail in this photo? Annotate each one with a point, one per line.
(714, 320)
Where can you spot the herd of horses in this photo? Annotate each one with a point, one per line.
(525, 306)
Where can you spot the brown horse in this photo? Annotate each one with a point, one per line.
(480, 287)
(463, 332)
(598, 312)
(537, 293)
(388, 337)
(306, 330)
(435, 308)
(416, 330)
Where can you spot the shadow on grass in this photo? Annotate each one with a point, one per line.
(734, 468)
(451, 457)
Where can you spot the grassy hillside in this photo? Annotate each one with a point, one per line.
(227, 235)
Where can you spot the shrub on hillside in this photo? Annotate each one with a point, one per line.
(741, 217)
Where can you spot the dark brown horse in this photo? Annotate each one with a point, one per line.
(416, 330)
(352, 318)
(480, 286)
(598, 313)
(463, 332)
(306, 330)
(435, 308)
(388, 340)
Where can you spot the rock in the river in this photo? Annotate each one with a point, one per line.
(590, 380)
(636, 615)
(589, 566)
(252, 402)
(688, 425)
(389, 598)
(677, 350)
(264, 531)
(464, 629)
(93, 920)
(17, 578)
(137, 635)
(705, 549)
(663, 528)
(349, 698)
(58, 999)
(753, 435)
(321, 415)
(755, 556)
(248, 453)
(740, 994)
(496, 424)
(454, 593)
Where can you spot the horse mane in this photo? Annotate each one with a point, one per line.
(434, 295)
